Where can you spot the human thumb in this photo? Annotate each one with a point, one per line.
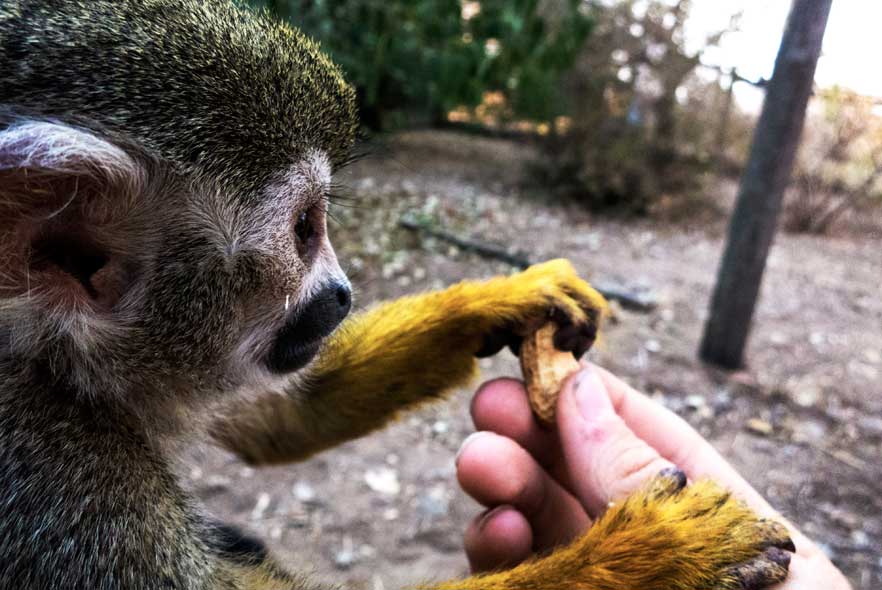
(605, 460)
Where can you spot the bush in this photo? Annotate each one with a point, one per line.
(419, 59)
(638, 134)
(839, 168)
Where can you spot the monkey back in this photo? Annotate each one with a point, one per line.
(210, 87)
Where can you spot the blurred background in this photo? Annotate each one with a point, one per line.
(615, 133)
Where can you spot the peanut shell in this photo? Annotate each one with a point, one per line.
(545, 369)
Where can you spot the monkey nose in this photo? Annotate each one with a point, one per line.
(298, 341)
(344, 300)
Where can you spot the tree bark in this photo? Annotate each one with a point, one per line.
(725, 118)
(757, 208)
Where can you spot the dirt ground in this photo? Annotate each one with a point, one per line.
(803, 423)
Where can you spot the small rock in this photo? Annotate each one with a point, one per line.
(778, 338)
(304, 493)
(263, 502)
(435, 504)
(695, 401)
(807, 396)
(759, 426)
(652, 346)
(440, 427)
(390, 514)
(383, 480)
(345, 558)
(860, 538)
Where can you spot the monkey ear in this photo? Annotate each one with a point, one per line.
(64, 196)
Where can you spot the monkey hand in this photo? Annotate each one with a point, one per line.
(666, 536)
(511, 307)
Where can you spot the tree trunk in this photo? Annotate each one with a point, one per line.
(722, 140)
(753, 223)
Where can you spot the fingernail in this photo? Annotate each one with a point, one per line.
(468, 440)
(778, 556)
(591, 396)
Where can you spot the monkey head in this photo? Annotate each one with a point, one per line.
(164, 177)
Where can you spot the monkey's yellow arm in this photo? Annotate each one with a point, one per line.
(400, 354)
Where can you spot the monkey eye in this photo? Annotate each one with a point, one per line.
(305, 233)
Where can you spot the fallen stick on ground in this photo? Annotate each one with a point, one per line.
(516, 259)
(628, 298)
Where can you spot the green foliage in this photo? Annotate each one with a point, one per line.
(425, 57)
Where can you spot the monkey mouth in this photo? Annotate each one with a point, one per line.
(288, 355)
(300, 339)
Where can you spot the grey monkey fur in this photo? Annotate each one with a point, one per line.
(196, 109)
(203, 83)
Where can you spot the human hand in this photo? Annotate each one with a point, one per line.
(543, 487)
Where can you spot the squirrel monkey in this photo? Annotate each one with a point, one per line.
(165, 271)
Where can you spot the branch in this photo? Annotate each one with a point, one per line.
(484, 249)
(736, 77)
(628, 298)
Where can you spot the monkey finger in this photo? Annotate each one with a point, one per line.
(575, 338)
(497, 340)
(495, 470)
(566, 312)
(498, 538)
(589, 299)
